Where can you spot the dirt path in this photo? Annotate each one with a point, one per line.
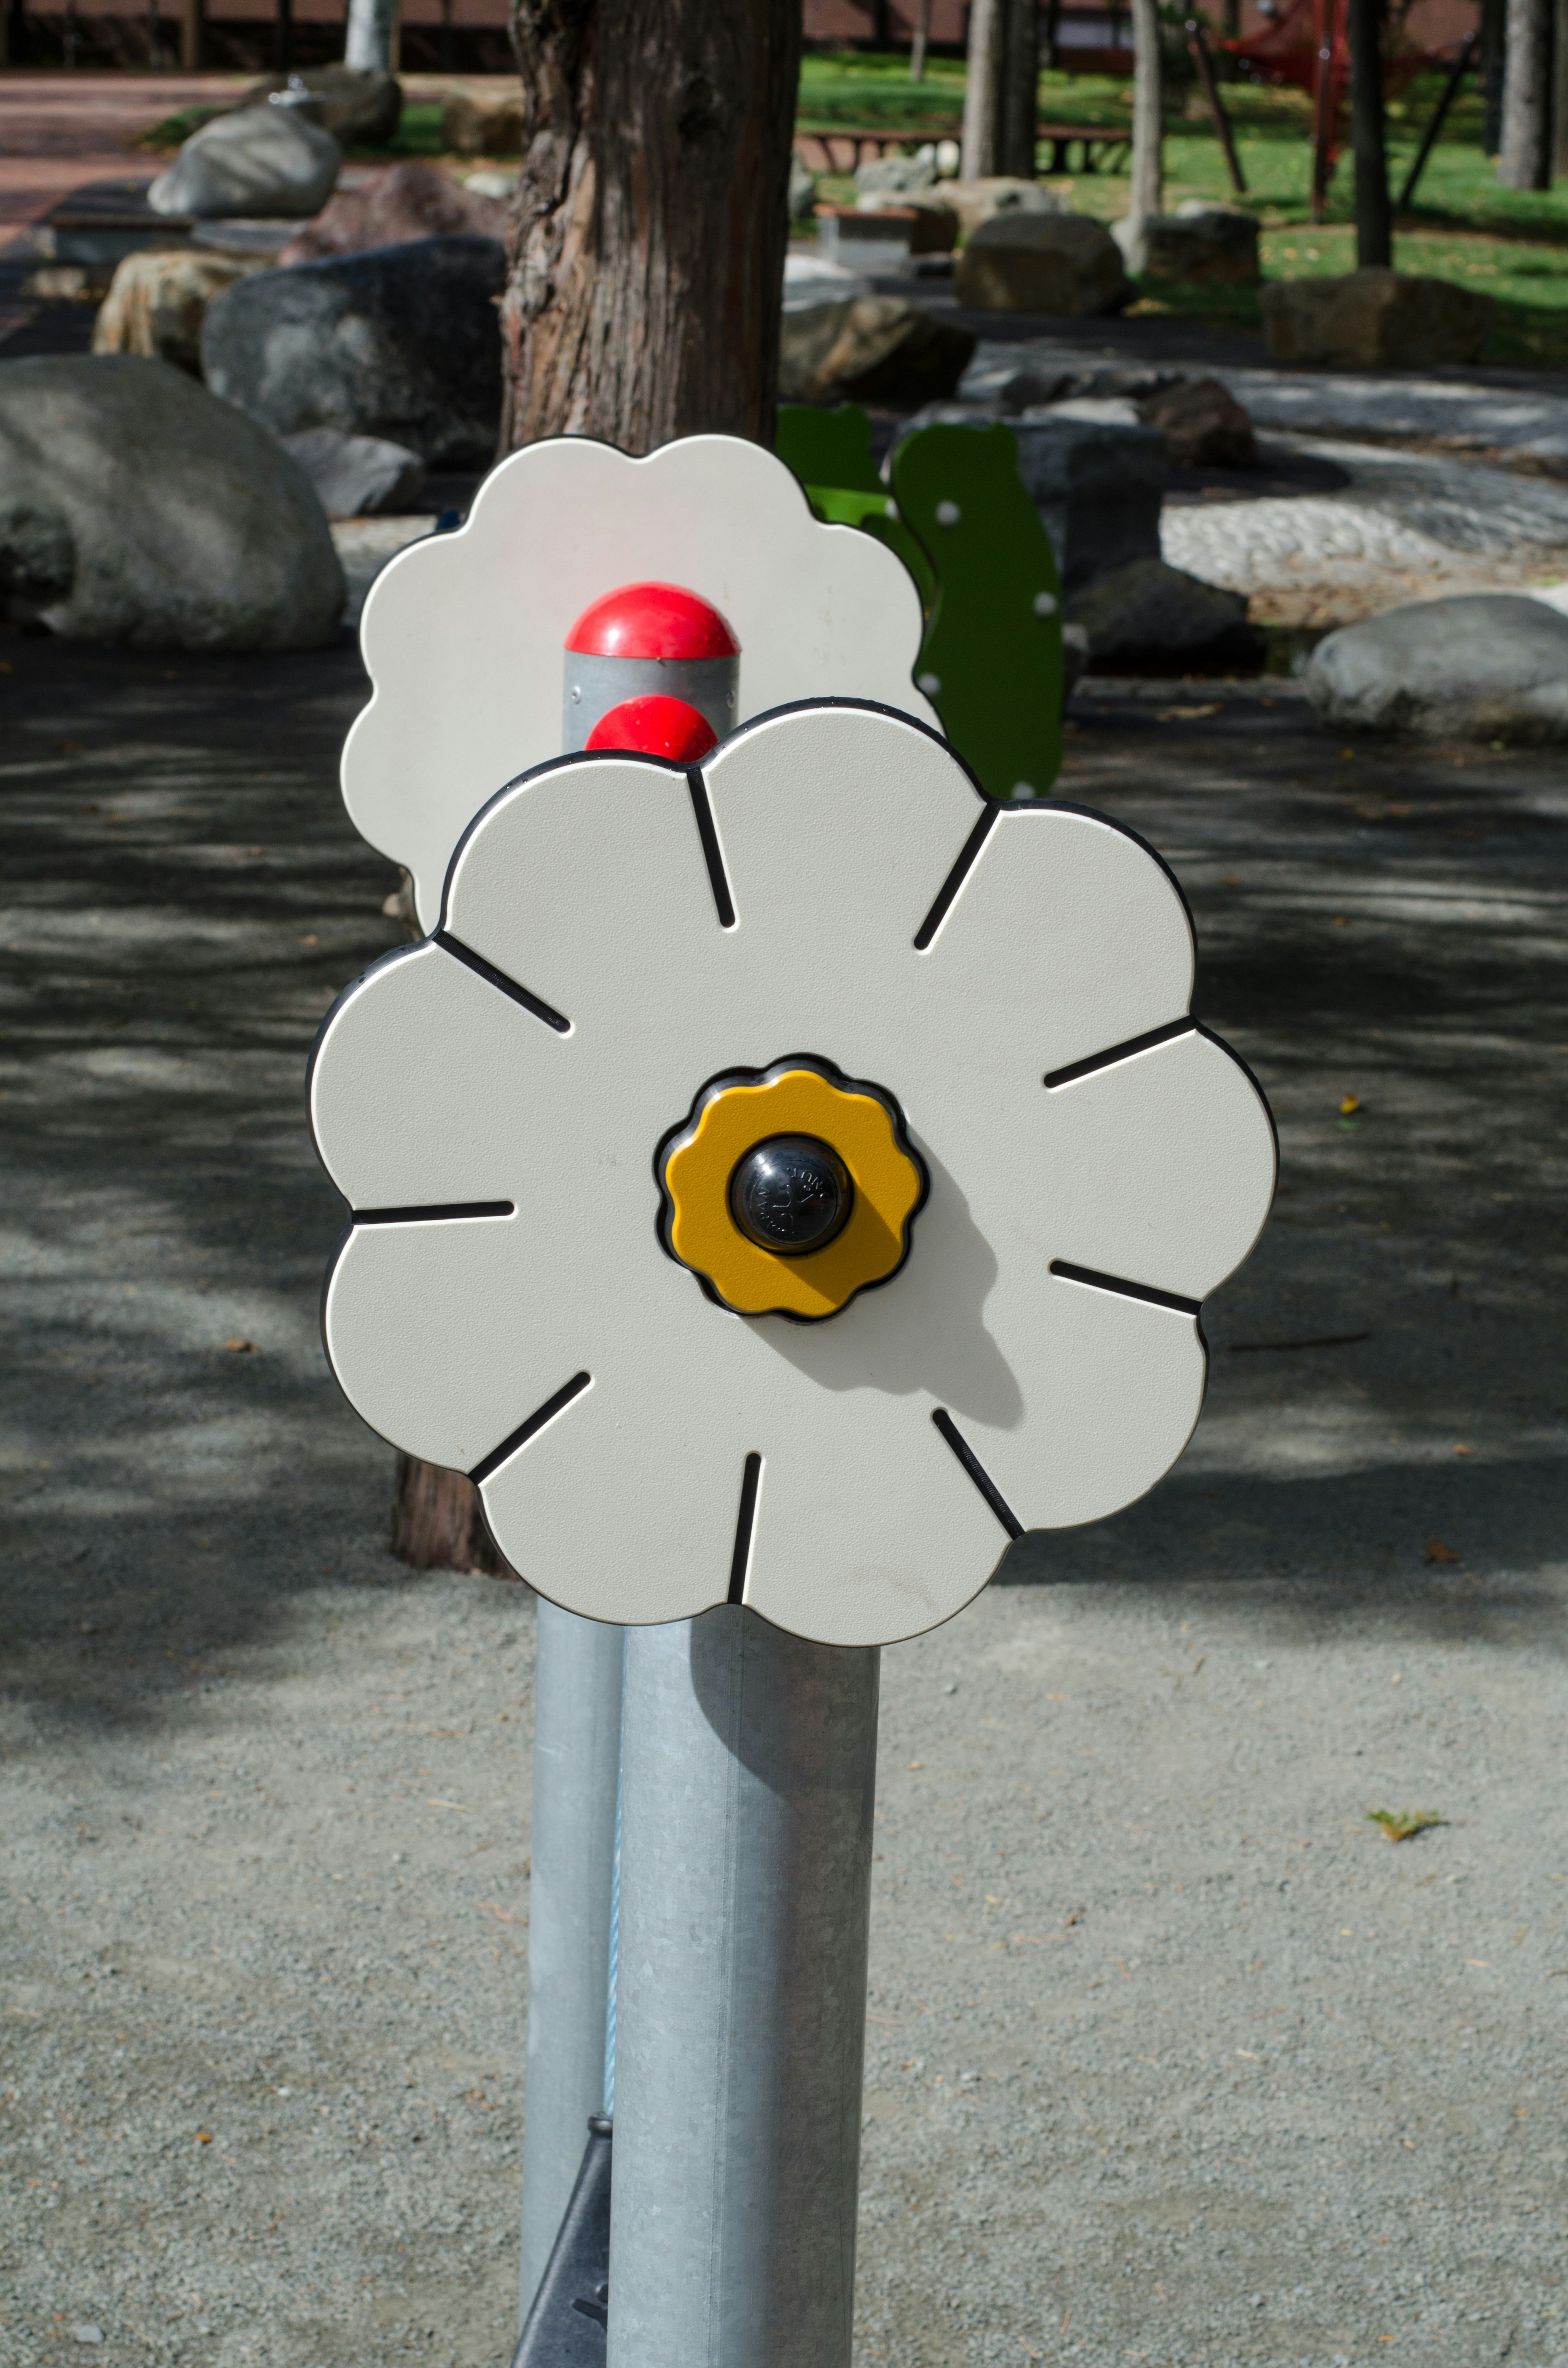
(1172, 2055)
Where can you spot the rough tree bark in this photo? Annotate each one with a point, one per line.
(1374, 217)
(1020, 88)
(1145, 194)
(642, 302)
(652, 218)
(981, 150)
(1525, 159)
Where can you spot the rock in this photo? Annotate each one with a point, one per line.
(810, 280)
(803, 191)
(492, 184)
(138, 508)
(1203, 425)
(257, 160)
(933, 227)
(1145, 614)
(389, 208)
(399, 342)
(1020, 262)
(360, 107)
(1098, 488)
(1374, 320)
(1486, 665)
(1206, 246)
(870, 349)
(897, 173)
(882, 237)
(980, 202)
(158, 299)
(1074, 658)
(357, 476)
(476, 123)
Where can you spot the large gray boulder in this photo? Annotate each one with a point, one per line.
(1483, 665)
(357, 476)
(359, 107)
(869, 350)
(1097, 485)
(1147, 614)
(884, 174)
(1021, 261)
(996, 193)
(136, 507)
(1374, 320)
(398, 342)
(158, 300)
(258, 160)
(1206, 246)
(1098, 489)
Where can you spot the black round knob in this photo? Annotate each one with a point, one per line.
(791, 1194)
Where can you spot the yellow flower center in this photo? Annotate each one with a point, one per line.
(789, 1193)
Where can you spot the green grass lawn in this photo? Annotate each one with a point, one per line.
(1512, 244)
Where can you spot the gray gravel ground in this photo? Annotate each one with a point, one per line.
(1173, 2058)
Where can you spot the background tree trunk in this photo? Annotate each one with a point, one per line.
(1020, 88)
(643, 303)
(647, 264)
(1374, 220)
(1145, 194)
(368, 39)
(982, 151)
(917, 48)
(1524, 160)
(1494, 51)
(1560, 90)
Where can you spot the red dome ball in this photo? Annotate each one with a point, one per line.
(655, 726)
(652, 621)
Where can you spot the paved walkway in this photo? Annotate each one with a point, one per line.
(1171, 2057)
(60, 130)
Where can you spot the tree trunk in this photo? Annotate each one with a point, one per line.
(1020, 88)
(644, 300)
(643, 303)
(439, 1524)
(1525, 159)
(1560, 90)
(1146, 187)
(1374, 237)
(918, 46)
(1494, 50)
(981, 152)
(369, 36)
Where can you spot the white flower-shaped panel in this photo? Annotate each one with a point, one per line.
(998, 1161)
(463, 634)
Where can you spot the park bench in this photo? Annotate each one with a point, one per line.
(839, 148)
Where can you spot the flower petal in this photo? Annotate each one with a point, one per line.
(428, 1086)
(463, 633)
(1159, 1169)
(1111, 1388)
(868, 1529)
(1065, 937)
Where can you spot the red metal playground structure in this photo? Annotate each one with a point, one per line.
(1308, 45)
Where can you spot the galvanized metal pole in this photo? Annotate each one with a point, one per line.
(576, 1771)
(749, 1776)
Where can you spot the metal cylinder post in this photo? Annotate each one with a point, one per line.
(577, 1770)
(749, 1778)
